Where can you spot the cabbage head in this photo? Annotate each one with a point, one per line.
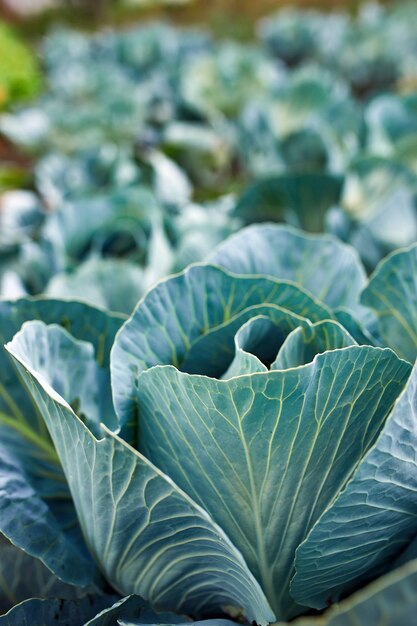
(243, 447)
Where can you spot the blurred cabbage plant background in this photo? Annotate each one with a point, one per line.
(150, 144)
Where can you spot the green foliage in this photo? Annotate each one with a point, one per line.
(231, 452)
(19, 71)
(236, 442)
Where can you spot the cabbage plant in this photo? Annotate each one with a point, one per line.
(242, 447)
(298, 124)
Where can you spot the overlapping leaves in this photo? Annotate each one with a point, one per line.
(262, 431)
(269, 395)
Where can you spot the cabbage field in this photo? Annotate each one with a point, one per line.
(208, 307)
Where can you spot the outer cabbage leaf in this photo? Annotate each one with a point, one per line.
(372, 521)
(265, 454)
(147, 535)
(389, 601)
(55, 612)
(329, 269)
(36, 507)
(23, 576)
(45, 527)
(133, 608)
(392, 294)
